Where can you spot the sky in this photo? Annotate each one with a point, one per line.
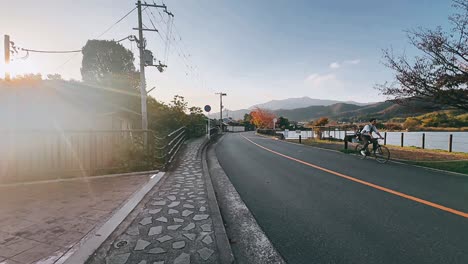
(254, 51)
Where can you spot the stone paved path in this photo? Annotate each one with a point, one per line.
(175, 225)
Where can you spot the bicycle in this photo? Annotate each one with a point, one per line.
(380, 153)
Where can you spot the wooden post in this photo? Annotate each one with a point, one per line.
(450, 142)
(300, 139)
(423, 140)
(385, 139)
(7, 55)
(345, 143)
(402, 138)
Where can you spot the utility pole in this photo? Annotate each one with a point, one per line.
(7, 56)
(221, 94)
(143, 60)
(141, 47)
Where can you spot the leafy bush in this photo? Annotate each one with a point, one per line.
(411, 123)
(393, 126)
(132, 156)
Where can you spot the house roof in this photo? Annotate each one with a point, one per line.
(46, 104)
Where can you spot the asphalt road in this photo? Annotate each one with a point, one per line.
(320, 206)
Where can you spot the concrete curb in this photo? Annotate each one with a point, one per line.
(221, 238)
(79, 178)
(253, 246)
(93, 240)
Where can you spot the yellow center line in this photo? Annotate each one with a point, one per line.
(375, 186)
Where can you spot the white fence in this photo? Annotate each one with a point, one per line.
(295, 134)
(235, 128)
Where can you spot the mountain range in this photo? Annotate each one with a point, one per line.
(293, 103)
(308, 109)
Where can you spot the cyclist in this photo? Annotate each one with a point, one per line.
(366, 135)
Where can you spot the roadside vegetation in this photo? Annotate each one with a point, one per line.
(454, 166)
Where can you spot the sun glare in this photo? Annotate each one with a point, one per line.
(16, 68)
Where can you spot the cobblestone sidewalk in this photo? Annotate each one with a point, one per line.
(175, 225)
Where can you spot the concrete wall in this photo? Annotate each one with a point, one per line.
(235, 128)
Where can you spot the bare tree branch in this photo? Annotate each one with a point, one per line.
(440, 75)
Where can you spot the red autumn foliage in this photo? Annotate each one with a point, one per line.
(262, 118)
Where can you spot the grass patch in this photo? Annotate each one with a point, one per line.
(455, 166)
(348, 151)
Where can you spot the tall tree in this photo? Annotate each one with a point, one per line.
(109, 66)
(102, 58)
(440, 74)
(323, 121)
(247, 118)
(247, 122)
(283, 123)
(262, 118)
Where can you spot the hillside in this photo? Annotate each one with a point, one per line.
(341, 111)
(287, 104)
(301, 102)
(234, 114)
(314, 112)
(349, 112)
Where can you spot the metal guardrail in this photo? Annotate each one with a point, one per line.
(170, 145)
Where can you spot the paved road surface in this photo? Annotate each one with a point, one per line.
(320, 206)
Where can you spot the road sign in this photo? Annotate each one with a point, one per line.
(274, 120)
(207, 108)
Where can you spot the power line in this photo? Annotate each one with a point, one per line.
(180, 47)
(51, 51)
(117, 22)
(65, 62)
(164, 38)
(158, 30)
(168, 38)
(100, 35)
(154, 27)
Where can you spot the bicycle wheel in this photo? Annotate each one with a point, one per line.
(382, 154)
(358, 149)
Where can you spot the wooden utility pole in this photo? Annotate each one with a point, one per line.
(141, 46)
(7, 56)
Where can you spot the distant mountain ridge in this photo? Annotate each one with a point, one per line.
(285, 104)
(340, 111)
(294, 103)
(349, 112)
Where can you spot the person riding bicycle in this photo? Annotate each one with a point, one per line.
(366, 135)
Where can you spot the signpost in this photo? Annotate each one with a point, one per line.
(274, 123)
(208, 128)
